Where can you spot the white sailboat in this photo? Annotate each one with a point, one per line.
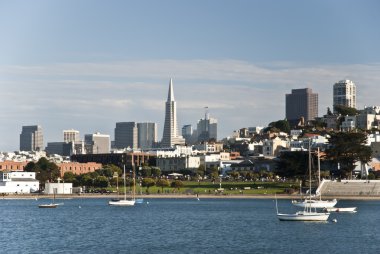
(52, 204)
(309, 213)
(316, 203)
(125, 201)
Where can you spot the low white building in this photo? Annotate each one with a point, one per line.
(61, 188)
(18, 182)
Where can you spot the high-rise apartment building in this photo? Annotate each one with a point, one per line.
(147, 135)
(126, 135)
(97, 143)
(344, 94)
(170, 136)
(31, 138)
(301, 103)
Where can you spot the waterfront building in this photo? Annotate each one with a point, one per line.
(97, 143)
(58, 188)
(170, 135)
(18, 182)
(78, 168)
(8, 165)
(344, 94)
(126, 135)
(147, 135)
(31, 138)
(301, 104)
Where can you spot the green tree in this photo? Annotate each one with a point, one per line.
(347, 148)
(148, 182)
(292, 164)
(201, 170)
(213, 172)
(234, 174)
(177, 184)
(282, 125)
(345, 111)
(146, 171)
(162, 183)
(45, 170)
(156, 171)
(69, 177)
(101, 182)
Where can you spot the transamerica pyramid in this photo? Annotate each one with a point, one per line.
(170, 136)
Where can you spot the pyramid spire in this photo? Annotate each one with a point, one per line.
(171, 93)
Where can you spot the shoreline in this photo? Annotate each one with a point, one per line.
(182, 196)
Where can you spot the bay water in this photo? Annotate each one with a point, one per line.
(183, 226)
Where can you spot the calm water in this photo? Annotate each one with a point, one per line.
(182, 226)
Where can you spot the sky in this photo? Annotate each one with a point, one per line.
(87, 64)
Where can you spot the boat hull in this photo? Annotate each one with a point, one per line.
(48, 206)
(341, 209)
(122, 202)
(303, 216)
(315, 203)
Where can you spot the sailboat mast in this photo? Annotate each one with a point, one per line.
(319, 168)
(125, 188)
(310, 171)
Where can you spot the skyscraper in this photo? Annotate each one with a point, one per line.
(207, 128)
(71, 136)
(97, 143)
(344, 94)
(126, 135)
(170, 136)
(301, 103)
(31, 138)
(147, 135)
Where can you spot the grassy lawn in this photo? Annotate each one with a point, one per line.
(229, 188)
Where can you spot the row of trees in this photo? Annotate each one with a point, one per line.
(345, 149)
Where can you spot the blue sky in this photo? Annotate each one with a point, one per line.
(87, 64)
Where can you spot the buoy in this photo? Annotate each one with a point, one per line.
(335, 220)
(80, 207)
(147, 202)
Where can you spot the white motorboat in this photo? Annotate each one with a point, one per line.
(341, 209)
(315, 203)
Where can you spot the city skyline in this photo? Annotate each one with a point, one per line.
(87, 65)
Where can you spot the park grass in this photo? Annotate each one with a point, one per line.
(228, 188)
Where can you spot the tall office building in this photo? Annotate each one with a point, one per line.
(97, 143)
(70, 136)
(207, 128)
(301, 103)
(170, 136)
(344, 94)
(147, 135)
(31, 138)
(187, 131)
(126, 135)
